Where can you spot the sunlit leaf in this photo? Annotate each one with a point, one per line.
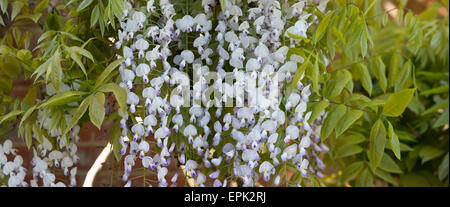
(397, 102)
(377, 142)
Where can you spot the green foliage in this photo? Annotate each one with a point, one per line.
(377, 143)
(97, 109)
(393, 141)
(397, 102)
(332, 120)
(393, 73)
(347, 120)
(339, 80)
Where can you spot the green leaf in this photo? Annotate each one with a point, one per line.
(442, 119)
(369, 7)
(41, 6)
(316, 109)
(347, 150)
(393, 140)
(34, 17)
(385, 176)
(78, 113)
(315, 76)
(119, 92)
(433, 75)
(75, 53)
(114, 139)
(61, 98)
(397, 102)
(101, 23)
(46, 35)
(107, 71)
(38, 134)
(293, 36)
(332, 120)
(82, 52)
(438, 90)
(97, 109)
(117, 8)
(366, 32)
(428, 153)
(437, 106)
(359, 98)
(339, 35)
(76, 57)
(16, 7)
(363, 45)
(443, 168)
(354, 32)
(3, 5)
(5, 83)
(323, 25)
(56, 121)
(10, 66)
(393, 68)
(379, 71)
(403, 147)
(24, 54)
(351, 138)
(53, 21)
(337, 82)
(95, 15)
(10, 115)
(349, 118)
(416, 106)
(222, 5)
(366, 79)
(385, 19)
(403, 76)
(71, 36)
(299, 74)
(377, 143)
(28, 137)
(46, 67)
(84, 4)
(88, 41)
(365, 179)
(330, 46)
(405, 136)
(56, 72)
(351, 171)
(388, 164)
(109, 14)
(26, 115)
(413, 180)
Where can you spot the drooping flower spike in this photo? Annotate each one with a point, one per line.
(255, 136)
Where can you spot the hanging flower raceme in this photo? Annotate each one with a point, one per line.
(53, 150)
(247, 141)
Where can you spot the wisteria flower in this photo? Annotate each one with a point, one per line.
(267, 169)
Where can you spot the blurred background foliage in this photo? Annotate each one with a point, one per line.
(409, 49)
(386, 85)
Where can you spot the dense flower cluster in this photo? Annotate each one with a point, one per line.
(247, 142)
(49, 154)
(11, 172)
